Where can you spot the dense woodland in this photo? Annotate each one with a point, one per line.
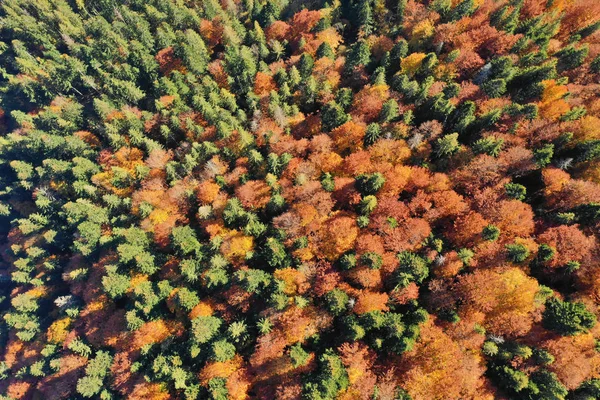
(285, 199)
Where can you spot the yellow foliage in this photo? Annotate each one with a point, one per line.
(304, 254)
(423, 30)
(137, 280)
(354, 374)
(330, 36)
(552, 91)
(445, 72)
(389, 150)
(236, 245)
(96, 305)
(58, 331)
(292, 278)
(412, 63)
(589, 128)
(158, 216)
(36, 292)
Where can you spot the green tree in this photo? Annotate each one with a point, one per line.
(336, 301)
(567, 318)
(332, 116)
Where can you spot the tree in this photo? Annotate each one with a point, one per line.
(438, 368)
(411, 267)
(506, 297)
(358, 54)
(222, 351)
(204, 328)
(569, 243)
(447, 145)
(192, 51)
(333, 116)
(325, 50)
(336, 301)
(298, 355)
(337, 236)
(390, 111)
(571, 57)
(330, 379)
(369, 184)
(517, 252)
(567, 318)
(184, 238)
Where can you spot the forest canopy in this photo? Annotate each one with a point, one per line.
(287, 199)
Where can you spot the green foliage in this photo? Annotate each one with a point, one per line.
(491, 233)
(369, 184)
(411, 267)
(515, 191)
(332, 116)
(157, 192)
(222, 351)
(330, 379)
(358, 54)
(336, 301)
(543, 155)
(447, 145)
(571, 57)
(488, 145)
(516, 252)
(567, 318)
(298, 355)
(205, 328)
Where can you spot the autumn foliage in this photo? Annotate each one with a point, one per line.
(325, 200)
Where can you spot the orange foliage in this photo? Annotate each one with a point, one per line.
(253, 194)
(263, 84)
(576, 358)
(167, 62)
(439, 369)
(552, 105)
(207, 192)
(153, 332)
(202, 309)
(336, 236)
(570, 244)
(358, 360)
(506, 296)
(367, 103)
(513, 217)
(371, 301)
(467, 229)
(295, 280)
(218, 369)
(278, 30)
(349, 136)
